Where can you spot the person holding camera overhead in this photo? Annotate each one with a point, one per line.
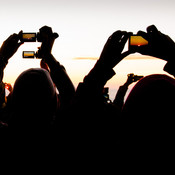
(96, 119)
(119, 97)
(34, 103)
(147, 119)
(151, 101)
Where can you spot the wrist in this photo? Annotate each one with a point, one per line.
(51, 61)
(170, 68)
(127, 84)
(49, 58)
(3, 61)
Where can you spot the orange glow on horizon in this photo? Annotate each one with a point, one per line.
(77, 69)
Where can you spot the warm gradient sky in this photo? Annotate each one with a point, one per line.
(84, 27)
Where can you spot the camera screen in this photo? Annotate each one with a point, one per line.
(28, 54)
(137, 41)
(29, 37)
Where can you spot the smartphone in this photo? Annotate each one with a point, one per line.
(137, 41)
(28, 54)
(28, 37)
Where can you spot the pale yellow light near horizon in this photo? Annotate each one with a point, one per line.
(78, 68)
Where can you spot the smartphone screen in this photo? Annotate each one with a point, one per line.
(28, 37)
(137, 41)
(28, 54)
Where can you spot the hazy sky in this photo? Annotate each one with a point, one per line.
(83, 28)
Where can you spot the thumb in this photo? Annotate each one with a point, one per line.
(19, 36)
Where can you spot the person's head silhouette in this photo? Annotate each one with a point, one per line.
(148, 113)
(34, 99)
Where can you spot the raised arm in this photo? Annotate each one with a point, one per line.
(119, 98)
(110, 56)
(89, 92)
(58, 73)
(7, 50)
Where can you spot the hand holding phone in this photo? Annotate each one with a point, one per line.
(160, 45)
(112, 52)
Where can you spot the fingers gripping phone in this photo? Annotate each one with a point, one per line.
(136, 41)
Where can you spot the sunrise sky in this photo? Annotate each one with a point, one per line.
(83, 28)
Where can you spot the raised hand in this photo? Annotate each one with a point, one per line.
(47, 37)
(112, 51)
(10, 46)
(159, 44)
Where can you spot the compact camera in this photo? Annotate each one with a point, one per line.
(30, 54)
(33, 37)
(135, 77)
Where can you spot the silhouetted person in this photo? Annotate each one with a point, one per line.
(119, 98)
(148, 117)
(96, 122)
(34, 100)
(34, 103)
(8, 48)
(148, 120)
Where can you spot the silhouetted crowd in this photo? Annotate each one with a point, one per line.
(83, 124)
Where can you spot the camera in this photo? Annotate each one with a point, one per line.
(135, 78)
(30, 54)
(136, 41)
(33, 37)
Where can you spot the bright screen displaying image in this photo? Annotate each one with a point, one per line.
(138, 41)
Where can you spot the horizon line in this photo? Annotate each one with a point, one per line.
(130, 57)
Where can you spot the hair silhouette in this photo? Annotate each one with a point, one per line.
(147, 116)
(33, 99)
